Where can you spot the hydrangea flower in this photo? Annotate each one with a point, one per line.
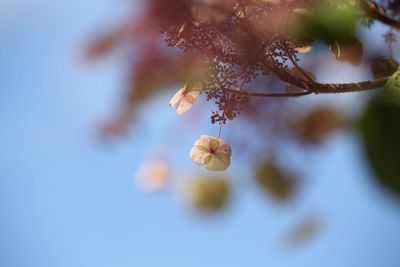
(212, 152)
(183, 100)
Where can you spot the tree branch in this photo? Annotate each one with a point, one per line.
(248, 93)
(373, 12)
(323, 88)
(332, 88)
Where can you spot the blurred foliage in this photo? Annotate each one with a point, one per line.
(303, 232)
(380, 129)
(383, 67)
(351, 52)
(333, 22)
(330, 21)
(274, 181)
(315, 126)
(209, 194)
(159, 71)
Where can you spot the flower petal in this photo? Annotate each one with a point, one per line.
(176, 99)
(224, 148)
(204, 140)
(218, 162)
(214, 144)
(192, 96)
(202, 148)
(183, 106)
(206, 158)
(198, 155)
(183, 100)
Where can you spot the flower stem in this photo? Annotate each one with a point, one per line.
(219, 129)
(220, 124)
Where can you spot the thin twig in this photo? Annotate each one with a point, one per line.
(294, 62)
(374, 13)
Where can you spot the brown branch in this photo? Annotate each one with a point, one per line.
(310, 87)
(332, 88)
(248, 93)
(287, 77)
(374, 13)
(323, 88)
(318, 88)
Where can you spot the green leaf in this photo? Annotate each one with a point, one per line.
(380, 131)
(391, 94)
(329, 23)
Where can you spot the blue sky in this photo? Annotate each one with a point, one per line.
(66, 200)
